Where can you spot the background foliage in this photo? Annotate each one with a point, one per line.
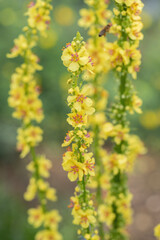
(13, 177)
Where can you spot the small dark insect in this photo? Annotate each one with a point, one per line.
(105, 30)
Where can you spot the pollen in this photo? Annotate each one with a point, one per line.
(80, 98)
(84, 219)
(75, 57)
(89, 165)
(38, 18)
(78, 118)
(75, 169)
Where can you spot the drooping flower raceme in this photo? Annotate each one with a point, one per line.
(77, 161)
(24, 98)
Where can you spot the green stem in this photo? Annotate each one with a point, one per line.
(119, 181)
(83, 184)
(37, 178)
(96, 149)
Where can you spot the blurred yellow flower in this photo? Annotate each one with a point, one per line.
(147, 20)
(52, 219)
(106, 214)
(84, 218)
(64, 15)
(157, 231)
(36, 217)
(31, 190)
(150, 119)
(48, 235)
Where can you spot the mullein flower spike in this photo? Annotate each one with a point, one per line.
(96, 18)
(24, 98)
(125, 60)
(77, 161)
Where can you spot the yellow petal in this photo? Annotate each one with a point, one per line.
(74, 66)
(83, 60)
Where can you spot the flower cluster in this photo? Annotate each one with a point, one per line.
(77, 161)
(41, 217)
(115, 205)
(127, 25)
(125, 59)
(24, 98)
(96, 18)
(96, 14)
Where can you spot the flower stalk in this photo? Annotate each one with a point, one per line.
(125, 60)
(77, 161)
(24, 99)
(95, 18)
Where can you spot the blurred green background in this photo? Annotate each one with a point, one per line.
(145, 181)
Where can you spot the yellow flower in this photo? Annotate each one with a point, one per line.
(80, 101)
(33, 135)
(44, 165)
(98, 118)
(74, 203)
(68, 139)
(103, 15)
(115, 54)
(120, 133)
(127, 2)
(117, 162)
(51, 194)
(84, 218)
(107, 130)
(36, 217)
(23, 147)
(42, 185)
(123, 206)
(16, 96)
(134, 68)
(157, 231)
(136, 104)
(31, 190)
(88, 18)
(135, 33)
(21, 46)
(135, 147)
(30, 136)
(48, 235)
(75, 59)
(38, 15)
(89, 2)
(89, 164)
(77, 119)
(75, 169)
(105, 214)
(150, 119)
(98, 54)
(95, 237)
(64, 15)
(105, 181)
(136, 9)
(129, 52)
(51, 219)
(102, 103)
